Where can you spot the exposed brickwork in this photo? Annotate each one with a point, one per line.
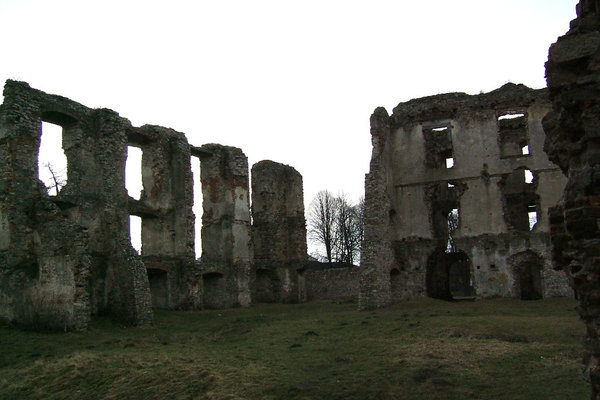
(278, 233)
(572, 142)
(333, 284)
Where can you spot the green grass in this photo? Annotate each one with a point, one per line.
(428, 349)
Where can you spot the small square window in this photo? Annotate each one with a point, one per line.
(449, 162)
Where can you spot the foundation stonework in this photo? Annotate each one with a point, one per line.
(572, 142)
(456, 200)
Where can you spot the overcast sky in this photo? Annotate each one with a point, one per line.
(290, 81)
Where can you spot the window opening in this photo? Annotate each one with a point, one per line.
(512, 130)
(52, 161)
(135, 232)
(450, 185)
(438, 145)
(197, 206)
(133, 172)
(453, 220)
(532, 215)
(510, 116)
(528, 176)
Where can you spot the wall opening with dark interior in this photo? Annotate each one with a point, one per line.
(527, 267)
(512, 134)
(448, 275)
(52, 161)
(159, 287)
(197, 206)
(438, 145)
(521, 202)
(263, 286)
(215, 293)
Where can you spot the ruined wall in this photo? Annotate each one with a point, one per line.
(333, 284)
(165, 207)
(453, 182)
(572, 142)
(278, 233)
(226, 251)
(66, 256)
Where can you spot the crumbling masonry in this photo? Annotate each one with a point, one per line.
(66, 257)
(573, 143)
(456, 200)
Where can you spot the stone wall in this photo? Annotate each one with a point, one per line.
(333, 284)
(226, 252)
(572, 142)
(68, 256)
(278, 233)
(454, 182)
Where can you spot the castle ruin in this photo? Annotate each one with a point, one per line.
(456, 200)
(68, 256)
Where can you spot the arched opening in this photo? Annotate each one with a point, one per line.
(395, 285)
(448, 275)
(263, 287)
(215, 293)
(527, 269)
(159, 289)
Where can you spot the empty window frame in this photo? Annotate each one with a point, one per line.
(512, 134)
(453, 221)
(133, 172)
(439, 152)
(52, 161)
(135, 232)
(197, 207)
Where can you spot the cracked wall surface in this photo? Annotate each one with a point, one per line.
(458, 187)
(572, 142)
(279, 233)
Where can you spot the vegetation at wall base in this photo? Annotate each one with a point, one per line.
(426, 349)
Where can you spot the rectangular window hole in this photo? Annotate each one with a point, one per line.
(528, 176)
(135, 232)
(52, 161)
(532, 215)
(450, 185)
(450, 162)
(197, 207)
(440, 129)
(525, 150)
(510, 115)
(133, 172)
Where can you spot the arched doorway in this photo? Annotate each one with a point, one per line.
(215, 294)
(527, 267)
(449, 276)
(158, 287)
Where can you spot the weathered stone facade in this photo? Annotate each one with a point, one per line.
(456, 200)
(278, 233)
(572, 142)
(68, 256)
(226, 252)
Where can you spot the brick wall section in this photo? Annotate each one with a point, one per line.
(572, 132)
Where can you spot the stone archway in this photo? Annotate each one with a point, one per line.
(527, 268)
(448, 275)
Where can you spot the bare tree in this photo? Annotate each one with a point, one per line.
(56, 180)
(321, 221)
(337, 225)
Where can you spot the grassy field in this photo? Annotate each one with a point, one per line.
(428, 349)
